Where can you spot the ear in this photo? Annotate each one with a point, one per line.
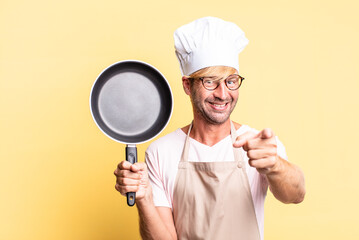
(186, 85)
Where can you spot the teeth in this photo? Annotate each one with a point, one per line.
(217, 105)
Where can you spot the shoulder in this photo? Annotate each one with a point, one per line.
(171, 140)
(243, 128)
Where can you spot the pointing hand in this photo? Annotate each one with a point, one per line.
(261, 150)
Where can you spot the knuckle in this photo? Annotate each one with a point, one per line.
(124, 173)
(120, 165)
(273, 151)
(122, 191)
(121, 173)
(121, 181)
(250, 144)
(250, 154)
(272, 161)
(251, 163)
(117, 172)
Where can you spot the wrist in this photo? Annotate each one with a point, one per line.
(147, 199)
(277, 168)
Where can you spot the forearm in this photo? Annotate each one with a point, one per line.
(286, 182)
(152, 226)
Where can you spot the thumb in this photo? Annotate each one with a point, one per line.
(138, 166)
(266, 133)
(124, 165)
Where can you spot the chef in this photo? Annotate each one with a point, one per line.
(208, 180)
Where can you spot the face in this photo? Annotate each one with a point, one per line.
(213, 106)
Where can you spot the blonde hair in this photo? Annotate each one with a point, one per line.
(214, 71)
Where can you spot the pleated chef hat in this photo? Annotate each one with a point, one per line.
(206, 42)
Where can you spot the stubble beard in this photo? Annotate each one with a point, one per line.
(212, 117)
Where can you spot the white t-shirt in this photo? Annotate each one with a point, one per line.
(164, 154)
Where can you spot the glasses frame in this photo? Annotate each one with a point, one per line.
(219, 81)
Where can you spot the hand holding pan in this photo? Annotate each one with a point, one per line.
(131, 102)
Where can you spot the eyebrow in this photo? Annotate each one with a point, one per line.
(215, 77)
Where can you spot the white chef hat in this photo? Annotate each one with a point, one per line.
(206, 42)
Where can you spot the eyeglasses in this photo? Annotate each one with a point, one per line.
(233, 82)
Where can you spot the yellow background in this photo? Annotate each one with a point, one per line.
(56, 166)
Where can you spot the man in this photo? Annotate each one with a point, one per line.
(209, 179)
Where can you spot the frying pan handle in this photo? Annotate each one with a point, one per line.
(131, 156)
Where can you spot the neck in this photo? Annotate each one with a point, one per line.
(209, 134)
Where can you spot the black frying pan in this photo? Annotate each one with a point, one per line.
(131, 102)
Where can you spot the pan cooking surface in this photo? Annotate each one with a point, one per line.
(129, 103)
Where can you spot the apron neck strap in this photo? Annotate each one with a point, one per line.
(233, 132)
(184, 157)
(237, 154)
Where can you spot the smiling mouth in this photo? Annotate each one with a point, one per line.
(217, 106)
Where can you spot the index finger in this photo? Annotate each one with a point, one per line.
(266, 133)
(241, 140)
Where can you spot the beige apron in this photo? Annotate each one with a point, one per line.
(212, 200)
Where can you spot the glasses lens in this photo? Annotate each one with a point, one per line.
(210, 83)
(233, 82)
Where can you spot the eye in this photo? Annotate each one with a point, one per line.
(208, 80)
(231, 80)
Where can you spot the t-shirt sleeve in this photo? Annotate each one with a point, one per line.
(156, 178)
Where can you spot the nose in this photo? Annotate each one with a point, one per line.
(221, 91)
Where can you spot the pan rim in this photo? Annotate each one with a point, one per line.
(140, 62)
